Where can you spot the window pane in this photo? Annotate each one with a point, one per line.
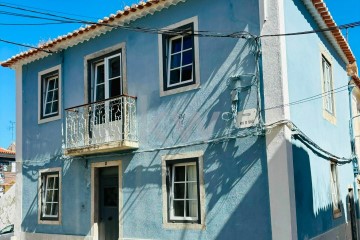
(56, 94)
(176, 45)
(100, 75)
(55, 209)
(51, 84)
(100, 92)
(186, 73)
(179, 173)
(174, 76)
(55, 107)
(179, 190)
(175, 60)
(56, 185)
(191, 208)
(179, 208)
(50, 183)
(191, 191)
(48, 208)
(56, 196)
(49, 96)
(191, 173)
(187, 42)
(187, 57)
(114, 67)
(114, 87)
(48, 108)
(49, 196)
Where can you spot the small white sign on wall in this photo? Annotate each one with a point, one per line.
(246, 118)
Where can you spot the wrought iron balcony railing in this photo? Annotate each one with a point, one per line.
(101, 126)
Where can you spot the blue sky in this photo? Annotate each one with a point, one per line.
(344, 11)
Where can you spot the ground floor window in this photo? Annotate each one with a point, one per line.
(49, 195)
(183, 190)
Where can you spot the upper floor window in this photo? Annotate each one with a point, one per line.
(178, 51)
(49, 94)
(328, 86)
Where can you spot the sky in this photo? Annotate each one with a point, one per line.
(344, 11)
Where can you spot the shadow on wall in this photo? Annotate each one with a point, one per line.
(310, 224)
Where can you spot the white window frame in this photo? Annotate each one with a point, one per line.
(172, 198)
(195, 64)
(42, 94)
(328, 114)
(88, 64)
(168, 219)
(335, 192)
(44, 174)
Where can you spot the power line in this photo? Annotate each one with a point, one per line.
(34, 24)
(25, 45)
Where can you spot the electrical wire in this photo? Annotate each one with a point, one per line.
(25, 45)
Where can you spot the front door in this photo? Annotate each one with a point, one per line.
(108, 203)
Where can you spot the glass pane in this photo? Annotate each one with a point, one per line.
(56, 185)
(175, 61)
(50, 183)
(56, 94)
(48, 108)
(115, 87)
(100, 75)
(179, 190)
(191, 208)
(191, 173)
(176, 45)
(114, 67)
(48, 208)
(51, 84)
(179, 173)
(55, 209)
(100, 92)
(56, 196)
(186, 73)
(55, 107)
(174, 76)
(187, 57)
(179, 208)
(191, 191)
(49, 196)
(49, 96)
(187, 42)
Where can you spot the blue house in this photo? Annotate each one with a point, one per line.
(190, 119)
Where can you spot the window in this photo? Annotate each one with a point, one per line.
(50, 196)
(328, 86)
(183, 191)
(179, 58)
(49, 94)
(335, 194)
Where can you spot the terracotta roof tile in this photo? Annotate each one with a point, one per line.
(86, 32)
(5, 151)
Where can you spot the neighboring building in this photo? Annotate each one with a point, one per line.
(180, 124)
(7, 169)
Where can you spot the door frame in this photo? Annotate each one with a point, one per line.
(95, 196)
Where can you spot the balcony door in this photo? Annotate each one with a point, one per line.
(106, 124)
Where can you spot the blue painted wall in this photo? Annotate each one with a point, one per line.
(312, 171)
(235, 172)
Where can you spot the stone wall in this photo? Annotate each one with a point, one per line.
(7, 208)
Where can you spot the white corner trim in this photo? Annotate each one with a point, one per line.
(50, 222)
(181, 226)
(40, 74)
(278, 143)
(196, 85)
(19, 154)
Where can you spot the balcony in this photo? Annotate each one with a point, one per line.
(102, 126)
